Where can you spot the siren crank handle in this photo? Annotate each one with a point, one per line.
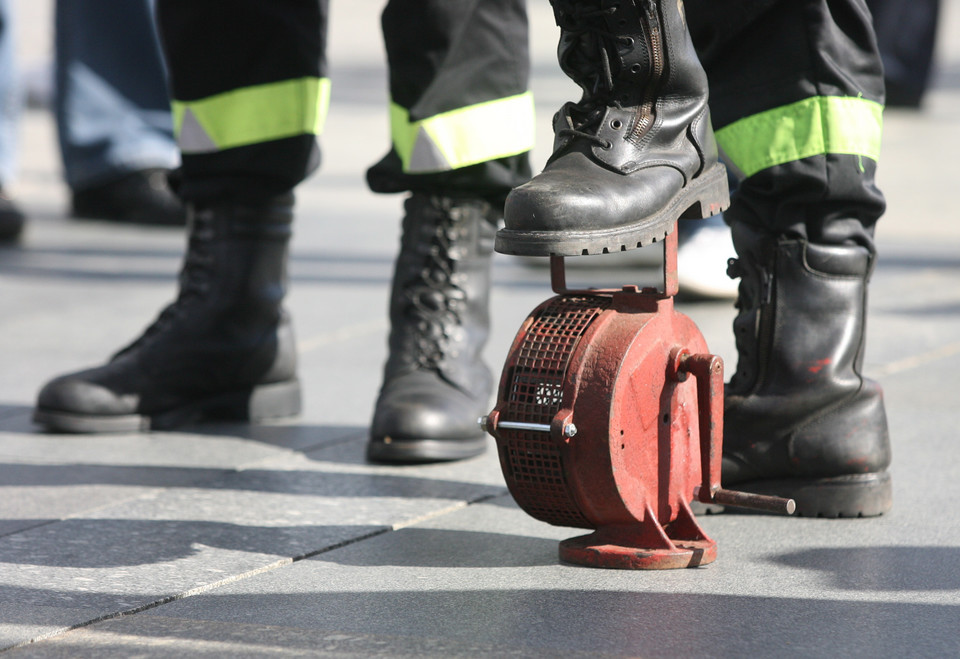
(737, 499)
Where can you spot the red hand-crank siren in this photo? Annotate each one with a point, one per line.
(599, 425)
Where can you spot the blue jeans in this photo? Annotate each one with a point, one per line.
(10, 98)
(112, 104)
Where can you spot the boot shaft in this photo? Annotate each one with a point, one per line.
(439, 304)
(799, 417)
(236, 260)
(643, 85)
(628, 50)
(801, 324)
(231, 287)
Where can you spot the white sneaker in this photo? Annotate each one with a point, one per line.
(702, 254)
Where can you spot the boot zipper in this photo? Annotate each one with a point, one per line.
(765, 325)
(654, 37)
(766, 287)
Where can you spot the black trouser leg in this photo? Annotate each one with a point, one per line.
(796, 91)
(796, 57)
(450, 63)
(244, 48)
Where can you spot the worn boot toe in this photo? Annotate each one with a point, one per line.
(420, 418)
(78, 403)
(596, 214)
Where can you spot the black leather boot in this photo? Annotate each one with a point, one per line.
(223, 350)
(637, 152)
(11, 219)
(435, 384)
(800, 420)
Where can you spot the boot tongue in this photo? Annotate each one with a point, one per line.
(592, 56)
(585, 54)
(431, 318)
(436, 301)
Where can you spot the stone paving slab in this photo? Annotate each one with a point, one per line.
(487, 577)
(279, 540)
(119, 536)
(808, 584)
(150, 637)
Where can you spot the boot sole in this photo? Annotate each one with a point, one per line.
(415, 451)
(269, 401)
(856, 495)
(706, 196)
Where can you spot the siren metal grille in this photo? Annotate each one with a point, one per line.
(532, 459)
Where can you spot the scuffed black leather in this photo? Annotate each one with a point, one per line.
(639, 135)
(798, 405)
(435, 382)
(226, 332)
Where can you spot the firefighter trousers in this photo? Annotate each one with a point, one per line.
(250, 89)
(796, 98)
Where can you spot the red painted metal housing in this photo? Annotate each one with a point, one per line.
(600, 426)
(613, 365)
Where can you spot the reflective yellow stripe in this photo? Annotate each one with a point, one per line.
(462, 137)
(252, 115)
(811, 127)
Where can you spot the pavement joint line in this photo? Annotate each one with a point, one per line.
(31, 527)
(916, 361)
(283, 562)
(152, 605)
(89, 513)
(460, 505)
(199, 590)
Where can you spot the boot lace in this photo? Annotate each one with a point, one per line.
(194, 281)
(581, 25)
(754, 295)
(435, 300)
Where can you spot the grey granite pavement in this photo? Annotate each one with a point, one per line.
(279, 540)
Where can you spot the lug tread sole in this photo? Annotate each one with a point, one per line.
(852, 496)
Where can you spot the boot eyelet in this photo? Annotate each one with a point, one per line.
(636, 69)
(607, 145)
(616, 124)
(627, 41)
